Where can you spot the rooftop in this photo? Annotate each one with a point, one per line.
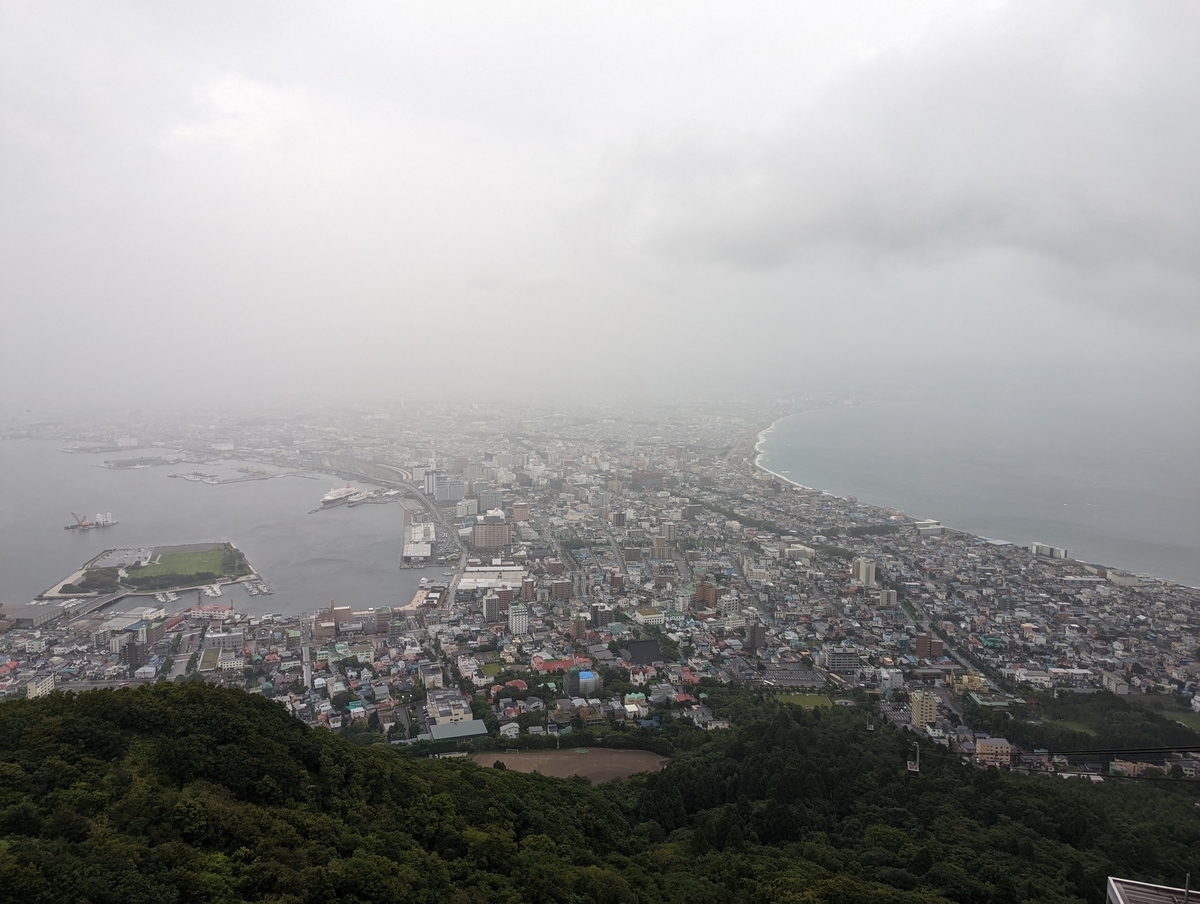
(1126, 891)
(458, 731)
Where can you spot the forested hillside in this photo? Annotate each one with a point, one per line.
(181, 793)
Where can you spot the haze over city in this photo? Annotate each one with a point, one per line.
(587, 452)
(233, 203)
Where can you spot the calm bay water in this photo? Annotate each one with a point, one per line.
(346, 554)
(1115, 483)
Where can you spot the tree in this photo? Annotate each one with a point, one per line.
(199, 793)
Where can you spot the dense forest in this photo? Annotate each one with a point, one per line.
(191, 793)
(1083, 722)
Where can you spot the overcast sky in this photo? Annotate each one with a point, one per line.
(260, 200)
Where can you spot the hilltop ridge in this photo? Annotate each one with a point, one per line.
(188, 792)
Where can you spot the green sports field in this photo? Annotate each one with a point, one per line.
(806, 700)
(185, 563)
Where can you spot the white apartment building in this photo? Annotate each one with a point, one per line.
(518, 619)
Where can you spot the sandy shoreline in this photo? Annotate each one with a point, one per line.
(762, 438)
(758, 454)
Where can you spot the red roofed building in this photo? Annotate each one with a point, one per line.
(554, 665)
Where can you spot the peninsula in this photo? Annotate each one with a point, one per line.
(153, 569)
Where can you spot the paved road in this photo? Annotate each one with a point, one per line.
(616, 548)
(926, 626)
(97, 603)
(740, 441)
(458, 573)
(187, 646)
(79, 686)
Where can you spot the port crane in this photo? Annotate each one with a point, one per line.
(104, 519)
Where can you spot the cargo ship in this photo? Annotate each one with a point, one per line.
(337, 496)
(81, 523)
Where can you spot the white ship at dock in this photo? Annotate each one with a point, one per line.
(337, 496)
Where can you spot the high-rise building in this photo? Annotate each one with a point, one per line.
(491, 608)
(706, 594)
(135, 654)
(448, 489)
(582, 682)
(578, 627)
(922, 708)
(40, 686)
(601, 614)
(1050, 552)
(518, 619)
(887, 598)
(926, 646)
(842, 658)
(862, 572)
(490, 499)
(756, 635)
(669, 531)
(491, 536)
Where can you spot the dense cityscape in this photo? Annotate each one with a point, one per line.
(542, 453)
(601, 571)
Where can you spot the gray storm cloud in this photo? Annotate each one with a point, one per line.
(249, 202)
(1058, 141)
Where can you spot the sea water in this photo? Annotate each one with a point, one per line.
(1115, 482)
(346, 554)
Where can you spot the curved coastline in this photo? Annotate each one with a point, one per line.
(758, 447)
(761, 452)
(762, 438)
